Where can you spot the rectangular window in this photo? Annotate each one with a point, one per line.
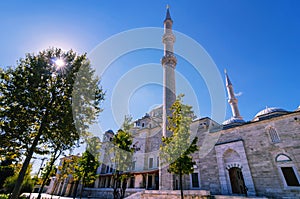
(107, 169)
(104, 182)
(290, 176)
(150, 162)
(131, 184)
(108, 182)
(195, 180)
(157, 162)
(103, 168)
(133, 165)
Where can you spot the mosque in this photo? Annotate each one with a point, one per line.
(260, 157)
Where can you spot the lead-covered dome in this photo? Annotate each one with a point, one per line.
(269, 112)
(233, 122)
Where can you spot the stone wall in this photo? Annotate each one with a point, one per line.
(261, 153)
(206, 161)
(258, 153)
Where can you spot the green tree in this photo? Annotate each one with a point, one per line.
(93, 146)
(6, 170)
(123, 152)
(80, 168)
(48, 94)
(57, 145)
(127, 123)
(27, 184)
(49, 170)
(177, 149)
(86, 170)
(67, 167)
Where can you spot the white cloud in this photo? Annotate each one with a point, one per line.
(238, 94)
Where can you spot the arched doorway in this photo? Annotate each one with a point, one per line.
(231, 155)
(237, 181)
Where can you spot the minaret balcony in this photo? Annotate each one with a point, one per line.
(169, 60)
(232, 101)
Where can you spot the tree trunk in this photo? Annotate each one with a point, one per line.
(48, 172)
(16, 191)
(123, 188)
(115, 192)
(75, 189)
(82, 184)
(180, 184)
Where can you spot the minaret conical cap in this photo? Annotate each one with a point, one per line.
(168, 16)
(228, 82)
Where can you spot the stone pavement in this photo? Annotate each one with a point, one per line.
(47, 196)
(142, 195)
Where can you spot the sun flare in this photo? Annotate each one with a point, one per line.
(59, 63)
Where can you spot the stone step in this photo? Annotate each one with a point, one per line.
(236, 197)
(134, 196)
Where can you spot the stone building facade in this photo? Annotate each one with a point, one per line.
(260, 157)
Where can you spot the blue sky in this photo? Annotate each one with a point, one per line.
(256, 41)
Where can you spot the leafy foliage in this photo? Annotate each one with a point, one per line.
(7, 169)
(67, 167)
(27, 184)
(4, 196)
(127, 124)
(123, 152)
(50, 169)
(79, 168)
(177, 149)
(93, 146)
(87, 167)
(44, 106)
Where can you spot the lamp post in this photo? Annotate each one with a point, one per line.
(41, 167)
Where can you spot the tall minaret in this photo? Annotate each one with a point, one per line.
(168, 62)
(232, 99)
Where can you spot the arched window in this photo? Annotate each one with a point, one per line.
(273, 135)
(282, 158)
(288, 171)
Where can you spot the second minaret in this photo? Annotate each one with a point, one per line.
(168, 62)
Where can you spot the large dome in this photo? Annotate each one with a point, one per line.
(269, 112)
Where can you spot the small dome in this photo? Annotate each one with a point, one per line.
(233, 120)
(110, 131)
(268, 112)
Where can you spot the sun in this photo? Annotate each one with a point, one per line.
(59, 63)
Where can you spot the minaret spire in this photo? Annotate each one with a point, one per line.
(232, 100)
(168, 16)
(228, 82)
(168, 63)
